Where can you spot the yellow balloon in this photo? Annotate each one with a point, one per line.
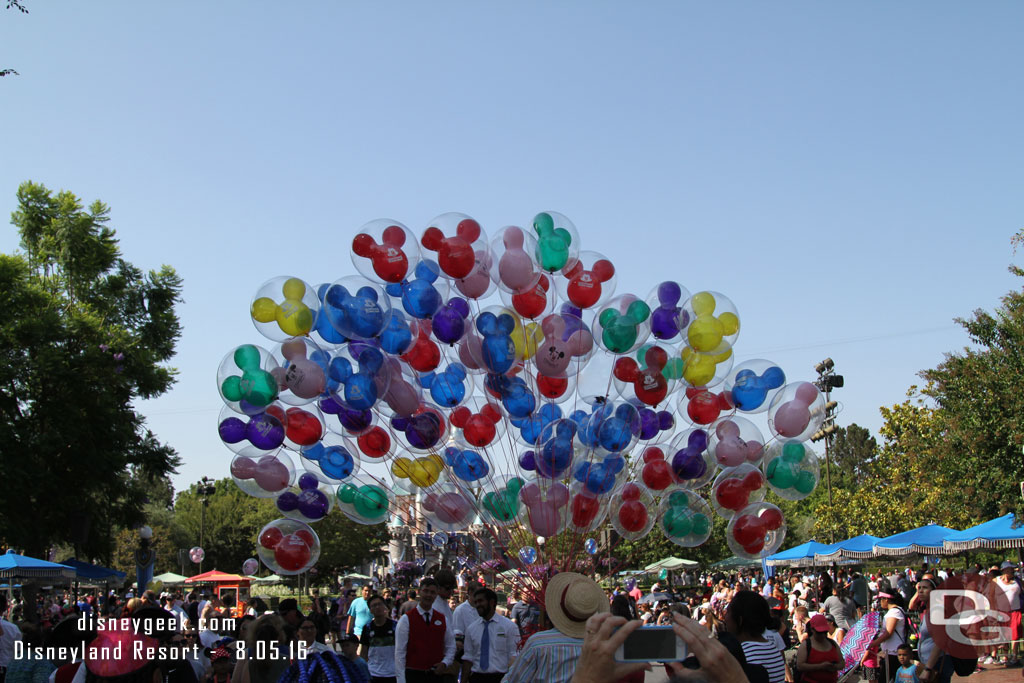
(264, 310)
(705, 333)
(294, 318)
(293, 288)
(700, 368)
(730, 323)
(526, 340)
(400, 468)
(703, 303)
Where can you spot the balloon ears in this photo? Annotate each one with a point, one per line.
(626, 370)
(468, 229)
(513, 238)
(294, 349)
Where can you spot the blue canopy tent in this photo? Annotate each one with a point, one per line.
(15, 566)
(996, 534)
(799, 556)
(93, 572)
(924, 540)
(858, 547)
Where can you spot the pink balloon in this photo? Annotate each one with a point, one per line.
(476, 284)
(516, 268)
(243, 468)
(732, 450)
(471, 350)
(401, 397)
(271, 474)
(792, 417)
(545, 507)
(452, 508)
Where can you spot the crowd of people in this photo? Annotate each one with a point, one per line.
(451, 627)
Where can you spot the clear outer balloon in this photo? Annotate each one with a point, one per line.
(558, 242)
(499, 503)
(365, 501)
(623, 324)
(301, 371)
(632, 512)
(513, 268)
(358, 376)
(534, 302)
(422, 294)
(250, 566)
(588, 282)
(322, 334)
(756, 531)
(792, 469)
(453, 239)
(563, 344)
(713, 320)
(546, 505)
(594, 381)
(649, 375)
(196, 554)
(754, 383)
(690, 460)
(736, 488)
(284, 307)
(288, 547)
(735, 440)
(668, 318)
(706, 369)
(684, 518)
(656, 471)
(702, 406)
(448, 508)
(261, 432)
(263, 476)
(334, 459)
(587, 512)
(303, 425)
(356, 308)
(309, 501)
(590, 545)
(245, 379)
(385, 251)
(528, 554)
(797, 411)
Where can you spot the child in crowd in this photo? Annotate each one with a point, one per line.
(908, 671)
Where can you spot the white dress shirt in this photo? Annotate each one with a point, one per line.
(8, 634)
(464, 615)
(402, 641)
(504, 638)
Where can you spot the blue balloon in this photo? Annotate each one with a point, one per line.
(517, 398)
(528, 554)
(497, 349)
(447, 388)
(530, 427)
(336, 462)
(750, 390)
(556, 451)
(599, 477)
(322, 324)
(396, 338)
(590, 546)
(419, 297)
(469, 466)
(360, 387)
(354, 315)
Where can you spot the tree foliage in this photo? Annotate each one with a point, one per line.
(85, 333)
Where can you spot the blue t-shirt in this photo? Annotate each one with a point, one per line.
(361, 664)
(907, 674)
(361, 611)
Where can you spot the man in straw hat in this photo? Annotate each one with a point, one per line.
(551, 656)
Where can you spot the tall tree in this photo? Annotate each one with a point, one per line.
(84, 334)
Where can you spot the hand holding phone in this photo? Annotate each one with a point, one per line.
(652, 644)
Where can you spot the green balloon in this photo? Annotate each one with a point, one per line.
(552, 243)
(805, 482)
(503, 505)
(371, 502)
(772, 467)
(347, 493)
(793, 452)
(677, 522)
(785, 476)
(247, 357)
(674, 368)
(678, 499)
(258, 387)
(231, 388)
(701, 524)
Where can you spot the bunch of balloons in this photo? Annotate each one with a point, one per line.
(500, 385)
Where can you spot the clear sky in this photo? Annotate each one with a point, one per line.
(849, 174)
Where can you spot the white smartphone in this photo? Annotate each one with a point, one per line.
(652, 644)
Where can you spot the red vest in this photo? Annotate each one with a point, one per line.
(66, 673)
(426, 641)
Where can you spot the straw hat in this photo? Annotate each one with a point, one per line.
(571, 599)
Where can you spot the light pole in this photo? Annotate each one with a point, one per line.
(827, 381)
(205, 489)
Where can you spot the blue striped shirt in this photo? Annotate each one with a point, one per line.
(548, 657)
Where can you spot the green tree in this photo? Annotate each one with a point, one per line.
(345, 544)
(85, 334)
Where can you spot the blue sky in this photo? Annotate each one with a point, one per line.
(848, 173)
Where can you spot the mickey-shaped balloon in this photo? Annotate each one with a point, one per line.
(323, 333)
(420, 296)
(502, 505)
(449, 322)
(702, 407)
(291, 316)
(288, 547)
(622, 324)
(685, 518)
(478, 283)
(402, 397)
(587, 287)
(256, 386)
(545, 506)
(707, 331)
(262, 477)
(556, 448)
(424, 355)
(423, 430)
(264, 431)
(515, 395)
(612, 427)
(448, 388)
(586, 511)
(649, 383)
(756, 531)
(530, 427)
(704, 369)
(560, 346)
(498, 353)
(554, 239)
(478, 429)
(309, 504)
(797, 411)
(447, 508)
(365, 504)
(456, 254)
(397, 337)
(599, 478)
(335, 460)
(668, 318)
(736, 488)
(633, 513)
(736, 440)
(389, 259)
(532, 302)
(515, 270)
(754, 383)
(359, 389)
(689, 460)
(300, 378)
(357, 313)
(469, 466)
(656, 473)
(791, 469)
(302, 426)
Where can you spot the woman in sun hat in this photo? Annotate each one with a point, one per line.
(551, 656)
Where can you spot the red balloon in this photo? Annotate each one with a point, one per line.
(424, 355)
(389, 261)
(479, 431)
(657, 475)
(455, 254)
(703, 407)
(375, 443)
(752, 481)
(292, 554)
(731, 495)
(302, 427)
(653, 453)
(631, 492)
(584, 510)
(772, 518)
(748, 529)
(270, 537)
(633, 515)
(552, 387)
(307, 536)
(532, 302)
(754, 548)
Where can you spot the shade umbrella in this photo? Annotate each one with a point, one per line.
(93, 572)
(671, 564)
(798, 556)
(15, 566)
(997, 534)
(214, 576)
(357, 577)
(735, 563)
(170, 578)
(655, 597)
(858, 547)
(924, 540)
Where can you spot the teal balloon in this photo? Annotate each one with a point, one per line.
(805, 482)
(793, 452)
(678, 499)
(552, 243)
(678, 521)
(701, 524)
(784, 476)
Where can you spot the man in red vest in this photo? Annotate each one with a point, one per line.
(424, 640)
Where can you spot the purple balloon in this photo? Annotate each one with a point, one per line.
(665, 420)
(308, 481)
(232, 430)
(312, 504)
(287, 501)
(648, 424)
(528, 460)
(265, 432)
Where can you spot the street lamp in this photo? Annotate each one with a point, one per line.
(205, 489)
(827, 381)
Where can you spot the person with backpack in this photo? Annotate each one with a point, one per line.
(818, 659)
(892, 634)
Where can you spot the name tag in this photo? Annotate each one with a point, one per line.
(501, 635)
(437, 623)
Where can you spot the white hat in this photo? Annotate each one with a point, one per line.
(571, 599)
